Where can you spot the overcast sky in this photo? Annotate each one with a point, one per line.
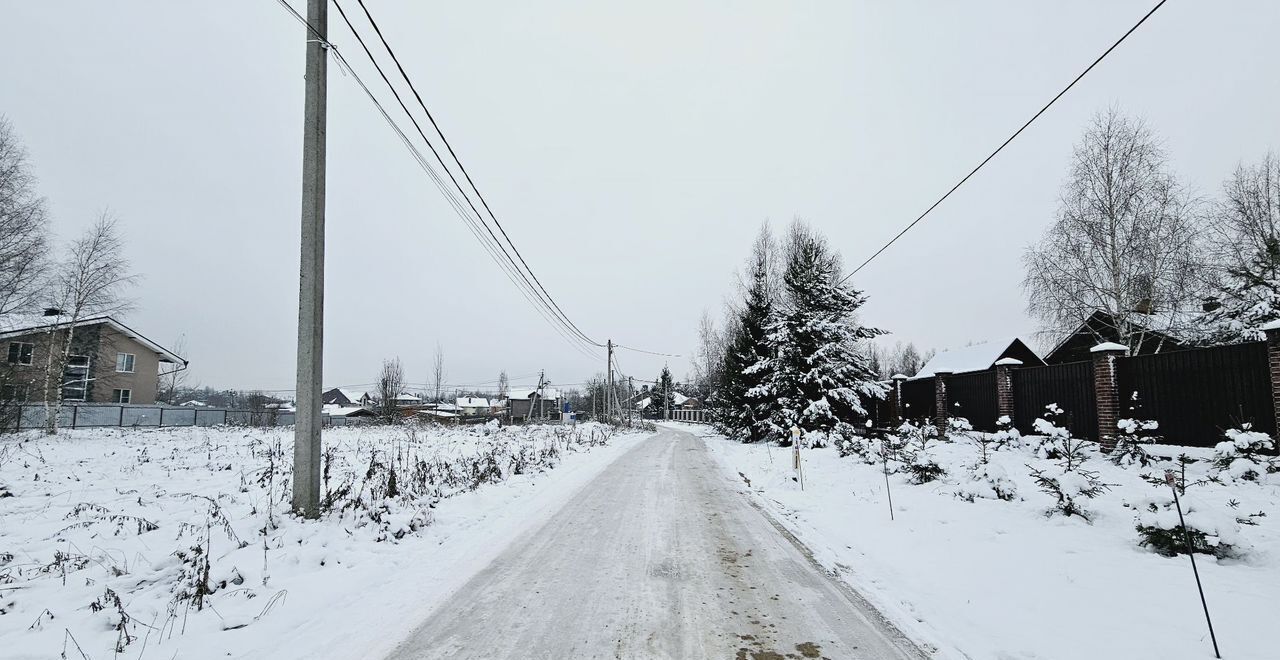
(631, 150)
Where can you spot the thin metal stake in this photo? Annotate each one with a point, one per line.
(884, 460)
(1191, 553)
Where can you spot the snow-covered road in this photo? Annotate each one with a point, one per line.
(659, 557)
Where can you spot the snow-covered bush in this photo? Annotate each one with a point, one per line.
(914, 449)
(958, 427)
(923, 467)
(987, 481)
(1006, 435)
(1071, 488)
(1129, 445)
(1055, 442)
(1244, 455)
(1210, 533)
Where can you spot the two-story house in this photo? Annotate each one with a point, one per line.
(108, 361)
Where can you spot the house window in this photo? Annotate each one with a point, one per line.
(121, 396)
(20, 352)
(75, 378)
(14, 393)
(124, 362)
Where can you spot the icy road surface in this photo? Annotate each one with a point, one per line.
(658, 557)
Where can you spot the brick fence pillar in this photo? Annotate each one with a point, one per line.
(1106, 391)
(895, 399)
(1273, 367)
(941, 411)
(1004, 386)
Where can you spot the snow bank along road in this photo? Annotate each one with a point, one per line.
(657, 557)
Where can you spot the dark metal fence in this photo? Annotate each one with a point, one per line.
(918, 399)
(1196, 394)
(1070, 386)
(972, 395)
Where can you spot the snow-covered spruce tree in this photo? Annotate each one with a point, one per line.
(820, 374)
(746, 410)
(1068, 482)
(1245, 455)
(663, 393)
(1249, 298)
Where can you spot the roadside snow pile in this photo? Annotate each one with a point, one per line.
(115, 541)
(1039, 546)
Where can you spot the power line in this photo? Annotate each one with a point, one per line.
(640, 350)
(1006, 142)
(463, 169)
(554, 308)
(541, 299)
(506, 266)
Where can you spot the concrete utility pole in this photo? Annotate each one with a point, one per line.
(307, 425)
(631, 404)
(612, 395)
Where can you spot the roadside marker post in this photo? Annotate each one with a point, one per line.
(1172, 480)
(795, 453)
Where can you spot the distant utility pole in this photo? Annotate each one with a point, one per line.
(307, 424)
(631, 388)
(612, 395)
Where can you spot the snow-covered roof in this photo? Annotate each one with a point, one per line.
(333, 410)
(679, 398)
(976, 357)
(194, 403)
(1108, 346)
(644, 403)
(354, 396)
(472, 402)
(1008, 362)
(22, 324)
(528, 392)
(437, 413)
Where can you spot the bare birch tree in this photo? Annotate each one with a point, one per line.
(1124, 241)
(170, 383)
(23, 228)
(438, 374)
(708, 358)
(90, 281)
(504, 385)
(390, 383)
(1247, 220)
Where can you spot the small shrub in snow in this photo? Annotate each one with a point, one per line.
(958, 427)
(923, 467)
(1244, 454)
(987, 481)
(1055, 442)
(1210, 533)
(1006, 435)
(1129, 446)
(1071, 488)
(913, 449)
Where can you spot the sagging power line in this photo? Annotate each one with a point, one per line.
(1004, 144)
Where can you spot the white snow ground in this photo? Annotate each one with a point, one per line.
(77, 525)
(999, 580)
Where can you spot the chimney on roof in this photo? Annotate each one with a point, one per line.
(1210, 304)
(52, 311)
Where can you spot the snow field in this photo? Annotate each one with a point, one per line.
(105, 534)
(991, 578)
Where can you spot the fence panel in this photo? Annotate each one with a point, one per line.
(918, 399)
(1070, 386)
(972, 395)
(1196, 394)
